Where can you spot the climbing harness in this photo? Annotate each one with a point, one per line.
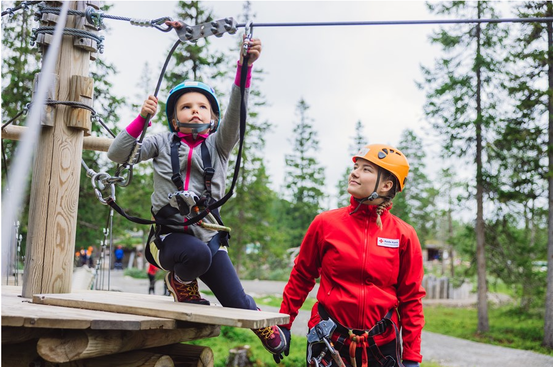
(321, 333)
(328, 338)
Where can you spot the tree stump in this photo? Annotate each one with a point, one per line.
(240, 357)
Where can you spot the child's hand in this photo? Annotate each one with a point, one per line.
(149, 107)
(254, 50)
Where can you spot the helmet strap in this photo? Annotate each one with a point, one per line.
(372, 196)
(196, 128)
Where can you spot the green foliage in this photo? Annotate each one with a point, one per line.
(136, 273)
(509, 326)
(416, 204)
(304, 176)
(234, 337)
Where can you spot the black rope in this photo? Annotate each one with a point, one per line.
(23, 5)
(158, 86)
(401, 22)
(69, 32)
(14, 118)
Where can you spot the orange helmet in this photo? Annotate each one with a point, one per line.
(387, 157)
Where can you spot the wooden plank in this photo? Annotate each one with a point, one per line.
(20, 312)
(161, 306)
(100, 144)
(71, 345)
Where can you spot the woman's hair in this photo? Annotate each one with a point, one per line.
(386, 176)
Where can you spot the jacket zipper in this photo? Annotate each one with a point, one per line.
(363, 285)
(188, 168)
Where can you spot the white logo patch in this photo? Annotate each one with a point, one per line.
(388, 242)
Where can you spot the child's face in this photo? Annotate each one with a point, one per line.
(193, 107)
(362, 180)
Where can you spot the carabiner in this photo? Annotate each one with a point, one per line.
(248, 31)
(98, 183)
(157, 23)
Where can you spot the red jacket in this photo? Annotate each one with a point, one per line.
(364, 272)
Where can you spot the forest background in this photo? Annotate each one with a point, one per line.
(479, 184)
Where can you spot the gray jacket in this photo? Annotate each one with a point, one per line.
(158, 148)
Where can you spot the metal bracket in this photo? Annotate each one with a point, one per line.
(321, 331)
(215, 27)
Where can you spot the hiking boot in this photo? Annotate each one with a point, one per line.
(272, 338)
(184, 292)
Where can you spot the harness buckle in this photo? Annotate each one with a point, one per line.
(184, 201)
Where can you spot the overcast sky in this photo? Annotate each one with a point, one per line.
(345, 74)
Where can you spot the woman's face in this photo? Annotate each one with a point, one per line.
(362, 180)
(194, 108)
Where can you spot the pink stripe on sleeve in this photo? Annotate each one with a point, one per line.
(239, 75)
(136, 126)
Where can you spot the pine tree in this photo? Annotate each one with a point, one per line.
(358, 140)
(461, 103)
(523, 148)
(416, 203)
(304, 176)
(248, 213)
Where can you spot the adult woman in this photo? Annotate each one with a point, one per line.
(370, 267)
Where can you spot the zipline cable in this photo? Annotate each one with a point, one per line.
(24, 153)
(399, 22)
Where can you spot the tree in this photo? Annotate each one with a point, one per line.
(416, 203)
(461, 104)
(248, 212)
(528, 136)
(304, 175)
(358, 140)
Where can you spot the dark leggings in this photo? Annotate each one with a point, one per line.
(190, 258)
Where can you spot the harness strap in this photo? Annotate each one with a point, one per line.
(208, 170)
(175, 164)
(353, 339)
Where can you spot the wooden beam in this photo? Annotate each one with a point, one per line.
(25, 317)
(72, 345)
(14, 132)
(161, 306)
(55, 186)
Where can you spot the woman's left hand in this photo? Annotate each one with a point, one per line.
(254, 50)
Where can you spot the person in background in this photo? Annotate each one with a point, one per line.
(119, 254)
(370, 267)
(152, 271)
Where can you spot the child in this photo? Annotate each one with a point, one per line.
(182, 159)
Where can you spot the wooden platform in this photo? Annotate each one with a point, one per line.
(92, 325)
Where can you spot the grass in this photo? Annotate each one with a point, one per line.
(509, 327)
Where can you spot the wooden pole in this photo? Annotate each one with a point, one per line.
(72, 345)
(55, 185)
(14, 132)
